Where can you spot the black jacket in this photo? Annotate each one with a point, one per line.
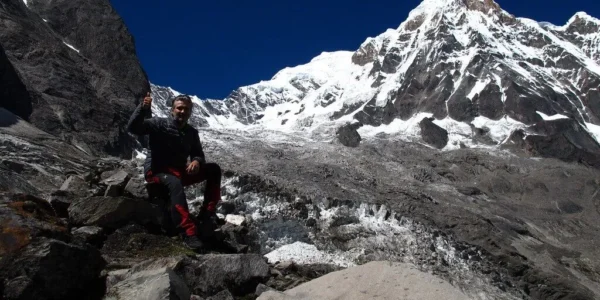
(169, 146)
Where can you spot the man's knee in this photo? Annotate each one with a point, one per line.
(170, 181)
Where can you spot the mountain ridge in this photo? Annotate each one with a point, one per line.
(469, 64)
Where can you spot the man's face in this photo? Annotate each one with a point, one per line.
(181, 111)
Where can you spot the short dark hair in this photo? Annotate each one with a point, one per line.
(184, 98)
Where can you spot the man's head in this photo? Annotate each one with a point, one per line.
(181, 109)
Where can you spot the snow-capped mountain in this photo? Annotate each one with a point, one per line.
(467, 63)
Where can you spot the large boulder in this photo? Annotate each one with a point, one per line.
(374, 280)
(93, 235)
(152, 279)
(433, 134)
(348, 135)
(116, 183)
(52, 269)
(136, 187)
(75, 185)
(112, 212)
(60, 201)
(238, 273)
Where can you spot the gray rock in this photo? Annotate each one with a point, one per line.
(433, 134)
(564, 139)
(261, 288)
(233, 237)
(89, 234)
(76, 185)
(54, 270)
(238, 273)
(222, 295)
(60, 201)
(118, 179)
(113, 191)
(107, 174)
(159, 284)
(226, 207)
(365, 54)
(111, 212)
(24, 218)
(114, 277)
(348, 136)
(136, 187)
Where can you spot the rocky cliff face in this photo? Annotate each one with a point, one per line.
(75, 75)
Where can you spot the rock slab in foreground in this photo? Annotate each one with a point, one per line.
(375, 280)
(153, 284)
(238, 273)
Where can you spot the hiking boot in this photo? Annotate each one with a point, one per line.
(192, 242)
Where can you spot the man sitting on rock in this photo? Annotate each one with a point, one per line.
(171, 141)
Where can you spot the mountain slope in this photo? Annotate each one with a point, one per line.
(467, 63)
(62, 81)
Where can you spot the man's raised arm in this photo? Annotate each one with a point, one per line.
(138, 123)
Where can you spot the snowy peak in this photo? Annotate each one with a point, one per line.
(467, 63)
(437, 6)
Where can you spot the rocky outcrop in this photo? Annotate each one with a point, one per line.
(52, 269)
(433, 134)
(564, 139)
(237, 273)
(24, 218)
(80, 87)
(100, 35)
(112, 212)
(155, 278)
(348, 135)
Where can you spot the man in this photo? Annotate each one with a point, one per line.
(171, 142)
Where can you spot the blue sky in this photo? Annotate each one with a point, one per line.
(209, 48)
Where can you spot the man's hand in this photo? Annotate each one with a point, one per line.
(147, 101)
(193, 167)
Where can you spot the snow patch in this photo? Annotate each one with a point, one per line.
(550, 118)
(479, 86)
(70, 46)
(594, 130)
(499, 130)
(304, 254)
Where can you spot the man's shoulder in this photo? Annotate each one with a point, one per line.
(191, 129)
(158, 120)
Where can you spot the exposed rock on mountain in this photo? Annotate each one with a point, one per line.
(348, 136)
(433, 134)
(71, 82)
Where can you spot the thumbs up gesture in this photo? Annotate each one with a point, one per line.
(147, 101)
